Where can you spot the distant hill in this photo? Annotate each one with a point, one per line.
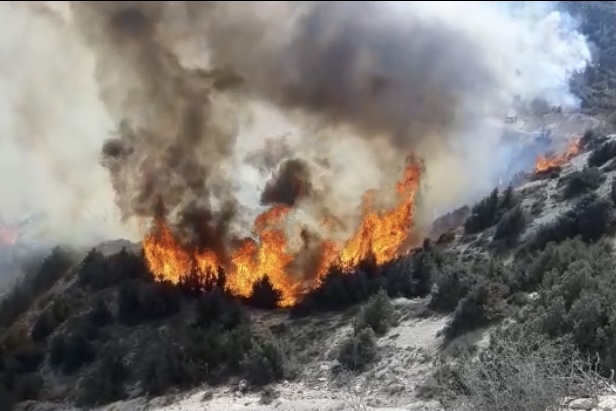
(597, 86)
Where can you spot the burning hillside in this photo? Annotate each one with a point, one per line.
(549, 162)
(381, 235)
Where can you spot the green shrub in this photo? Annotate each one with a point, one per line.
(602, 154)
(100, 272)
(40, 276)
(377, 314)
(590, 218)
(49, 320)
(69, 353)
(483, 214)
(489, 210)
(264, 295)
(104, 383)
(452, 285)
(576, 287)
(581, 182)
(163, 366)
(216, 307)
(483, 305)
(358, 350)
(266, 361)
(408, 276)
(558, 257)
(139, 301)
(511, 226)
(100, 315)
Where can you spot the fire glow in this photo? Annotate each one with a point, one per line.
(380, 235)
(547, 163)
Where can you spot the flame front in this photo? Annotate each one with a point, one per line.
(547, 163)
(380, 236)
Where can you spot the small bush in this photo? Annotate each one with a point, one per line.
(70, 353)
(216, 307)
(602, 154)
(264, 295)
(483, 214)
(590, 218)
(377, 314)
(104, 383)
(408, 276)
(581, 182)
(139, 302)
(520, 372)
(100, 315)
(100, 272)
(511, 226)
(483, 305)
(49, 320)
(265, 362)
(489, 210)
(358, 350)
(452, 285)
(163, 366)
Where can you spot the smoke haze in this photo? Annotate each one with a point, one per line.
(206, 101)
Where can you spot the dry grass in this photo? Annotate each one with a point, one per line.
(515, 374)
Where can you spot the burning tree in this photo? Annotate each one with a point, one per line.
(380, 236)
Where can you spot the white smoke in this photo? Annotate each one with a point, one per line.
(52, 126)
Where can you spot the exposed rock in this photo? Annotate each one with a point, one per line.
(586, 404)
(243, 386)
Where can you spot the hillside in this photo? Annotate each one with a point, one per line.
(597, 86)
(89, 331)
(510, 304)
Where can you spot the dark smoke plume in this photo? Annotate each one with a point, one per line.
(290, 183)
(403, 77)
(168, 147)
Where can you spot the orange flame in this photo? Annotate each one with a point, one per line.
(547, 162)
(380, 236)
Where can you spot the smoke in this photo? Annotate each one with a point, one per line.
(52, 127)
(290, 183)
(208, 101)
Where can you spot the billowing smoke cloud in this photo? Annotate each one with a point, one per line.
(390, 77)
(52, 126)
(290, 183)
(194, 90)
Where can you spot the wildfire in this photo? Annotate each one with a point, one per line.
(547, 162)
(380, 236)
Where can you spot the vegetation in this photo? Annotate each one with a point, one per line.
(602, 153)
(516, 371)
(597, 86)
(358, 350)
(409, 276)
(39, 276)
(581, 182)
(489, 210)
(511, 226)
(377, 314)
(76, 333)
